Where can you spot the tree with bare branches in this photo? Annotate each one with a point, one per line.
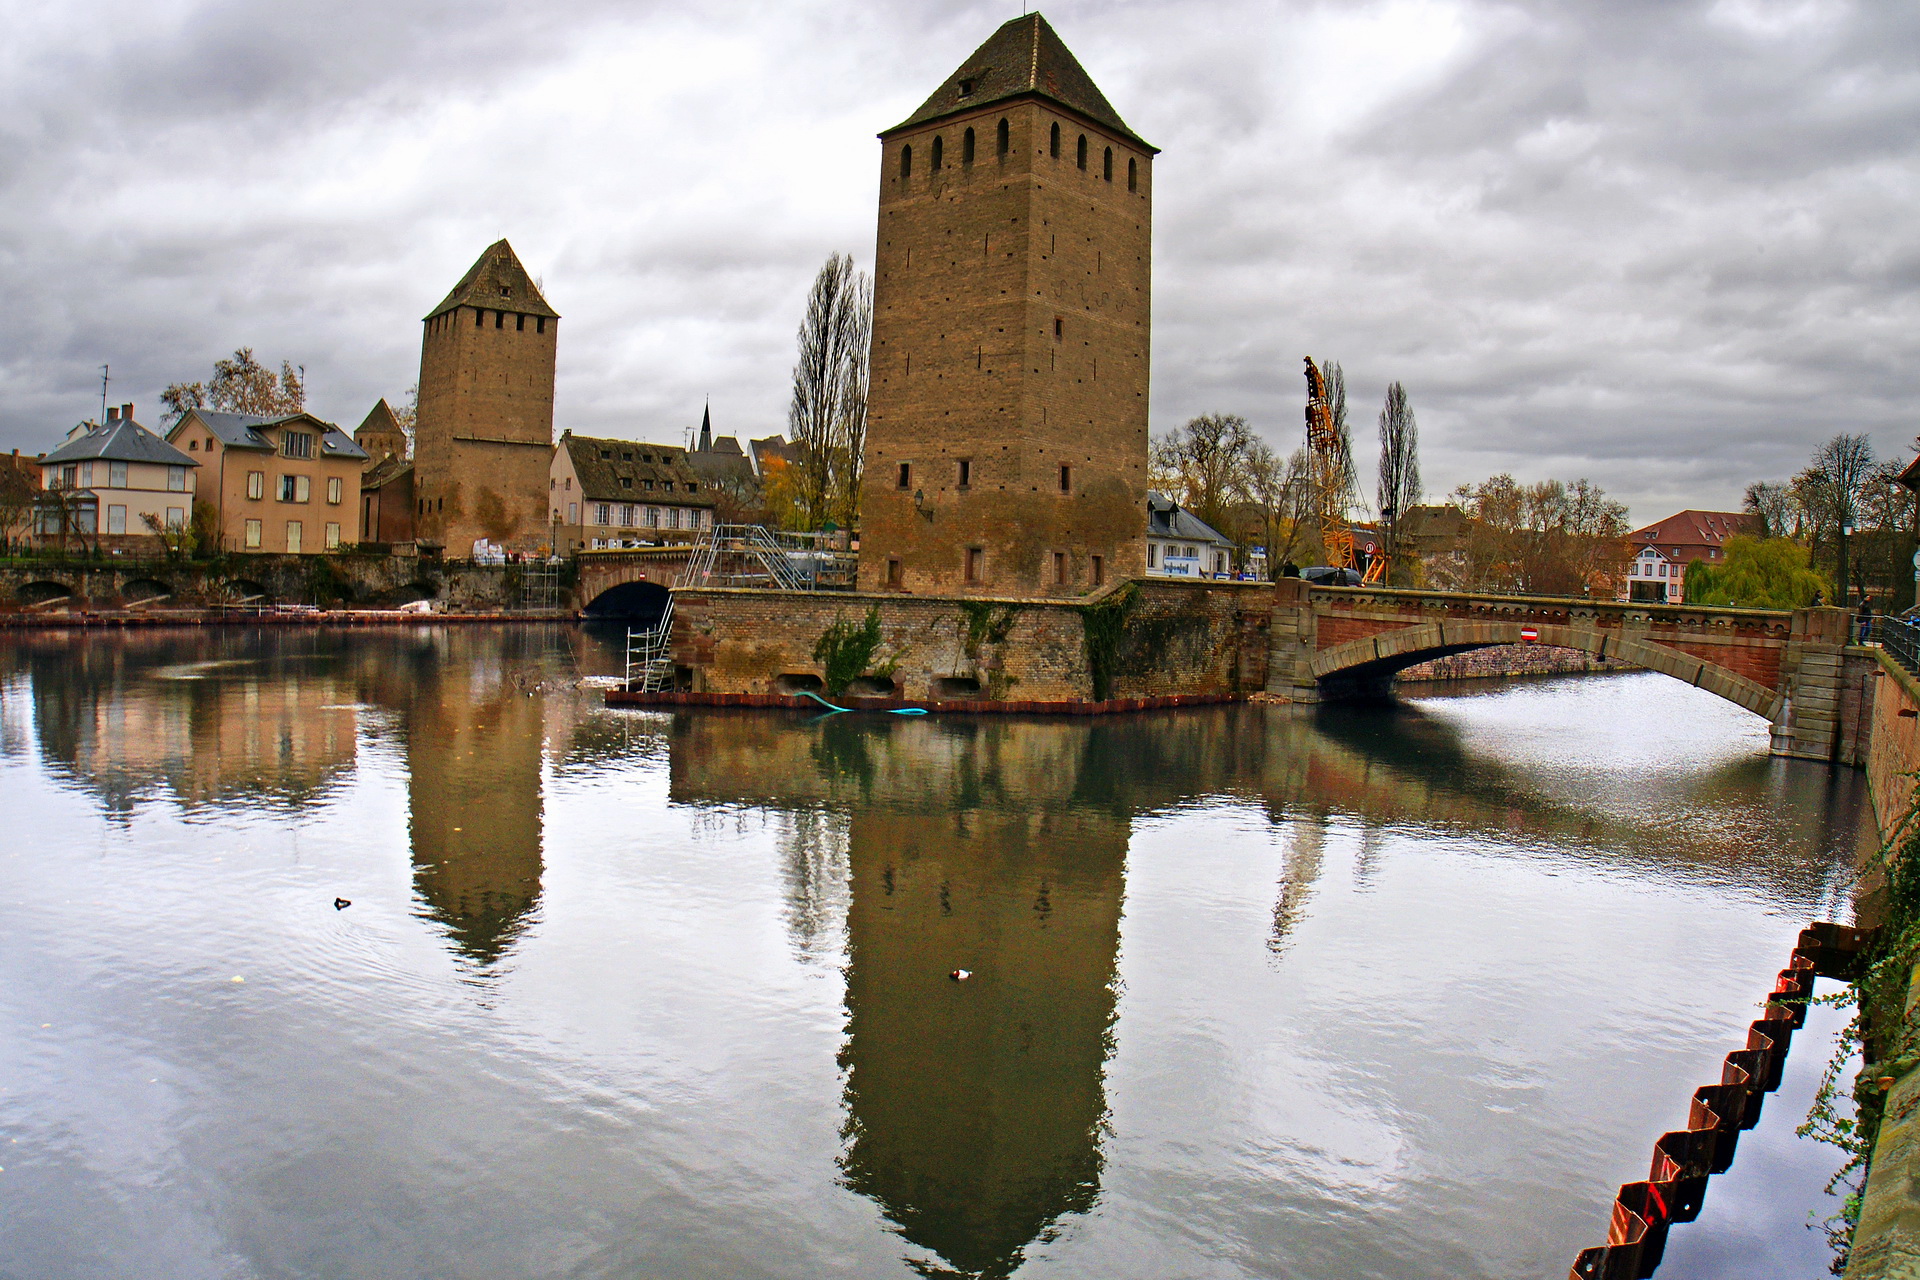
(827, 417)
(240, 384)
(1399, 489)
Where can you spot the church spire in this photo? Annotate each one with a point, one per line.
(706, 428)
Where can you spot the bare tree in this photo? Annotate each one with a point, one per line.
(1399, 489)
(1774, 505)
(1279, 488)
(1204, 465)
(408, 416)
(240, 384)
(1832, 489)
(828, 414)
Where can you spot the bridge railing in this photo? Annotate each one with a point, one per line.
(751, 555)
(1900, 637)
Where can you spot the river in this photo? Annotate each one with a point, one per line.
(1396, 991)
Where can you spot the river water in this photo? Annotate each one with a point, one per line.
(1350, 992)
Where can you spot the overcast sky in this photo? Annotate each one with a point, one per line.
(1669, 246)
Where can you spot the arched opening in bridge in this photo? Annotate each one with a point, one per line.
(44, 593)
(641, 604)
(247, 591)
(1365, 667)
(143, 589)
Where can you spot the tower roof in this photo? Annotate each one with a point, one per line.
(1024, 57)
(497, 282)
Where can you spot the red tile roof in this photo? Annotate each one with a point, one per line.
(1694, 531)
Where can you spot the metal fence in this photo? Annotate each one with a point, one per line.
(1900, 637)
(751, 555)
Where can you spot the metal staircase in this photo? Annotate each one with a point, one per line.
(751, 555)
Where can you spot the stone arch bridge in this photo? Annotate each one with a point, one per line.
(1795, 670)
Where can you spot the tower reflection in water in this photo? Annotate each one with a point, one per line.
(471, 717)
(973, 1108)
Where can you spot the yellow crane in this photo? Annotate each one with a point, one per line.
(1330, 494)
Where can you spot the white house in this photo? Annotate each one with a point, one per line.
(1181, 545)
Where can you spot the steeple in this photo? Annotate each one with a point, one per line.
(706, 428)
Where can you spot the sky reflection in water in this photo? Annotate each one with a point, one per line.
(1396, 992)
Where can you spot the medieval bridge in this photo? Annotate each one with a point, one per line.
(1795, 670)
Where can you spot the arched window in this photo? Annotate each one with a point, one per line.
(1003, 137)
(1106, 168)
(1133, 175)
(1081, 159)
(1053, 144)
(966, 146)
(937, 149)
(906, 163)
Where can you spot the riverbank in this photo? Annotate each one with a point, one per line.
(265, 618)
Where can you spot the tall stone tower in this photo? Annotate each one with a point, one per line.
(484, 437)
(1007, 422)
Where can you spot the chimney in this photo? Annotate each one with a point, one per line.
(113, 413)
(126, 413)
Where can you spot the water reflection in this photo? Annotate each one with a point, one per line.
(1209, 986)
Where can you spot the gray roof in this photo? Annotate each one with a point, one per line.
(244, 431)
(120, 440)
(1168, 519)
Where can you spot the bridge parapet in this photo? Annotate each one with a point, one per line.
(1791, 669)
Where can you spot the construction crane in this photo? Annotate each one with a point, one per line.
(1330, 494)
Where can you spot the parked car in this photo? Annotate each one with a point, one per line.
(1326, 575)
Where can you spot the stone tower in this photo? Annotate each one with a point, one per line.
(484, 436)
(1006, 444)
(380, 434)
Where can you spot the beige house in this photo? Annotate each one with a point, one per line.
(110, 485)
(287, 484)
(624, 493)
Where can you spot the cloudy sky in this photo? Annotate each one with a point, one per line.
(1670, 246)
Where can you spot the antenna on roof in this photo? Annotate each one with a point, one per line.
(104, 370)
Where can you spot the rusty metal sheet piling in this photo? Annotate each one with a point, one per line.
(1684, 1159)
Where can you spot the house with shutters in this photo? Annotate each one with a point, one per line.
(114, 485)
(1182, 545)
(288, 484)
(604, 494)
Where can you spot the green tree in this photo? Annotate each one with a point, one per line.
(1757, 573)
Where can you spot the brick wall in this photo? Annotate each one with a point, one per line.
(485, 438)
(1176, 639)
(1011, 332)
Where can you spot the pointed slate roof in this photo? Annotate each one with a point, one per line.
(379, 418)
(1024, 57)
(497, 282)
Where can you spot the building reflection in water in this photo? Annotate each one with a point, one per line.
(973, 1108)
(470, 708)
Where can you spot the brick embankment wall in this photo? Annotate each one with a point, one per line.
(1512, 660)
(1893, 752)
(1171, 639)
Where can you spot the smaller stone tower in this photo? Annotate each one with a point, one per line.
(380, 434)
(484, 438)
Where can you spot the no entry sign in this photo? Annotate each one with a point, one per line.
(1528, 633)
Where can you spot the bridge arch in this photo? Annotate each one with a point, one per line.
(641, 601)
(1368, 663)
(44, 591)
(142, 589)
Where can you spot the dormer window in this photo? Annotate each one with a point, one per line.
(966, 88)
(296, 444)
(506, 291)
(606, 453)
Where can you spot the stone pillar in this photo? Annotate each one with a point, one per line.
(1291, 643)
(1818, 720)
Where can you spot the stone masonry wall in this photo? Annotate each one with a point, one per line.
(1512, 660)
(1175, 639)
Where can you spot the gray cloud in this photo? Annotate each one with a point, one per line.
(1669, 246)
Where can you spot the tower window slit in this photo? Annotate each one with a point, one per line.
(1081, 158)
(1133, 175)
(477, 313)
(906, 163)
(938, 147)
(1003, 137)
(966, 147)
(1053, 142)
(1107, 166)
